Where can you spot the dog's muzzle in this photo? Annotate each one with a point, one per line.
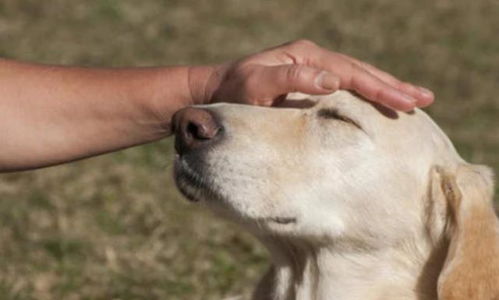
(196, 131)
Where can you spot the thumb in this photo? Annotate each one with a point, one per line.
(283, 79)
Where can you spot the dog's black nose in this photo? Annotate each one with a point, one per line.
(194, 128)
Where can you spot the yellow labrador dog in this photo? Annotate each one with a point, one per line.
(352, 200)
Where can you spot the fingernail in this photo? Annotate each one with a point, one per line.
(327, 81)
(425, 92)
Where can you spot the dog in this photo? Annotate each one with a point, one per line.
(352, 200)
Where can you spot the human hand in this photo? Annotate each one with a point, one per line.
(302, 66)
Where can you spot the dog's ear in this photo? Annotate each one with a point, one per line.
(471, 267)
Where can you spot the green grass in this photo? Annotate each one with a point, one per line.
(113, 227)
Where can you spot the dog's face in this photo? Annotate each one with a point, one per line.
(339, 171)
(338, 168)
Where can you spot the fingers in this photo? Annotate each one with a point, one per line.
(372, 83)
(376, 90)
(354, 77)
(378, 87)
(302, 66)
(423, 96)
(274, 81)
(279, 80)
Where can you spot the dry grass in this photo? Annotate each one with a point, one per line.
(113, 227)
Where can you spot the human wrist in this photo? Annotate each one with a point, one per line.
(203, 81)
(156, 93)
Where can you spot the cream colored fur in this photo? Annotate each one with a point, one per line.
(352, 200)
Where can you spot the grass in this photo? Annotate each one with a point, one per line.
(113, 227)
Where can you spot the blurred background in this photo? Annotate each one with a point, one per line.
(113, 227)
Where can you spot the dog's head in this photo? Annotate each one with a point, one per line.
(333, 169)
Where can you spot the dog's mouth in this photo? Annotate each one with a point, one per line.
(192, 182)
(281, 220)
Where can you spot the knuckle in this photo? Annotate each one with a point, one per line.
(354, 73)
(295, 73)
(303, 44)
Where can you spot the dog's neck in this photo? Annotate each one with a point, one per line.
(301, 271)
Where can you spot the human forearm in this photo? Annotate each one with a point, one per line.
(50, 114)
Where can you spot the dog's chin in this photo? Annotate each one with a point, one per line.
(193, 182)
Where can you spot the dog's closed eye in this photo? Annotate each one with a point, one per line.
(331, 113)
